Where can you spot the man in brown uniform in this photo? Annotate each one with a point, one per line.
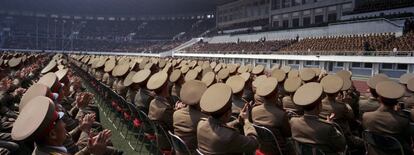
(213, 135)
(39, 121)
(176, 80)
(236, 83)
(290, 86)
(161, 108)
(371, 104)
(186, 119)
(143, 97)
(309, 129)
(272, 116)
(343, 113)
(385, 120)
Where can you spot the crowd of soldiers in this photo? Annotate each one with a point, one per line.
(217, 108)
(213, 107)
(45, 108)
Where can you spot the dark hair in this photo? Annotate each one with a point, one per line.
(388, 102)
(373, 93)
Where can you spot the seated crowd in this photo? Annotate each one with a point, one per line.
(44, 33)
(45, 108)
(329, 45)
(218, 108)
(241, 46)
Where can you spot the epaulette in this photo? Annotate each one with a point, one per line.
(325, 121)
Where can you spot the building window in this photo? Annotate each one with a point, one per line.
(295, 22)
(276, 24)
(275, 4)
(386, 66)
(275, 61)
(293, 62)
(306, 21)
(332, 17)
(318, 19)
(339, 64)
(285, 23)
(367, 65)
(356, 65)
(309, 63)
(402, 67)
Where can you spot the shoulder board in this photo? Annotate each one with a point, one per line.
(324, 121)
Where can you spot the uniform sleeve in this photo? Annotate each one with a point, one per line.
(349, 114)
(84, 151)
(337, 140)
(241, 143)
(286, 126)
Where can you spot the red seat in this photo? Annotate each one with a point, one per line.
(127, 116)
(150, 136)
(258, 152)
(166, 152)
(137, 123)
(114, 104)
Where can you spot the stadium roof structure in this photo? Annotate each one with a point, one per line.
(112, 7)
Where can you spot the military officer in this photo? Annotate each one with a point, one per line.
(236, 83)
(161, 108)
(271, 115)
(143, 96)
(39, 121)
(385, 120)
(290, 86)
(186, 119)
(371, 104)
(309, 129)
(213, 135)
(176, 80)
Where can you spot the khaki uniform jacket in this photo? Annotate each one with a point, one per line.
(275, 119)
(214, 137)
(389, 122)
(185, 125)
(161, 111)
(368, 105)
(130, 95)
(42, 150)
(143, 98)
(309, 129)
(342, 110)
(289, 105)
(409, 102)
(120, 88)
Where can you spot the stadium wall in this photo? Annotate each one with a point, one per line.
(337, 29)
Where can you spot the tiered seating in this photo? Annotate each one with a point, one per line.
(341, 43)
(403, 43)
(101, 35)
(241, 46)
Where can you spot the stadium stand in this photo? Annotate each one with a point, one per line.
(333, 44)
(370, 42)
(101, 35)
(241, 46)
